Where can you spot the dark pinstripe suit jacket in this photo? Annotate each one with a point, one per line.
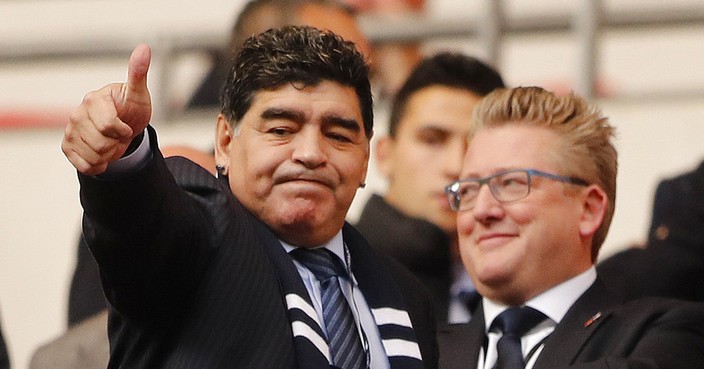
(189, 280)
(4, 359)
(650, 333)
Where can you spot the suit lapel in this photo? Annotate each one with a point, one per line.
(460, 344)
(376, 283)
(385, 301)
(308, 337)
(584, 318)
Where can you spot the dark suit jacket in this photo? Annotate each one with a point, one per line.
(648, 333)
(85, 297)
(672, 262)
(666, 272)
(678, 213)
(420, 246)
(190, 277)
(4, 358)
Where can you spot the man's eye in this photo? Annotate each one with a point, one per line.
(468, 190)
(279, 131)
(513, 181)
(339, 137)
(432, 136)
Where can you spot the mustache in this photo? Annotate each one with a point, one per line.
(305, 175)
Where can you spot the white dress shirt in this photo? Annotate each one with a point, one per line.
(128, 164)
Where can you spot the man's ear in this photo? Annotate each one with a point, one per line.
(363, 181)
(383, 153)
(594, 205)
(223, 138)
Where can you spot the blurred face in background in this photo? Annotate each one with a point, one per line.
(331, 16)
(337, 20)
(427, 153)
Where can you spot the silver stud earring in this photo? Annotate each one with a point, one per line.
(220, 169)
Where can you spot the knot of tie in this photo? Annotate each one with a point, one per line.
(321, 262)
(517, 320)
(513, 323)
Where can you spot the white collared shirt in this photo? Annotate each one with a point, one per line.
(361, 311)
(554, 303)
(128, 164)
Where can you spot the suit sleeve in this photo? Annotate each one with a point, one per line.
(671, 338)
(674, 340)
(148, 236)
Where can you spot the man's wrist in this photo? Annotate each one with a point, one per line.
(132, 160)
(134, 145)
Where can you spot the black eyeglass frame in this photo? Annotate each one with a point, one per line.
(454, 197)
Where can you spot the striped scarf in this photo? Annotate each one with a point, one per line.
(382, 296)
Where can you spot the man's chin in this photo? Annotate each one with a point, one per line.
(305, 233)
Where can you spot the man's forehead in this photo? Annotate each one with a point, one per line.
(492, 150)
(448, 127)
(293, 88)
(327, 97)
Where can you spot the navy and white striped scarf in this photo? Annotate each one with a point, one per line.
(382, 296)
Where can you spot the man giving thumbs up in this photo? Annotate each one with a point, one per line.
(196, 268)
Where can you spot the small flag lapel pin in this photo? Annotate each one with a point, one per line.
(593, 319)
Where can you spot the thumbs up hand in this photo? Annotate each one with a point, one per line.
(102, 127)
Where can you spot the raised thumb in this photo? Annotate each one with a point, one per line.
(134, 105)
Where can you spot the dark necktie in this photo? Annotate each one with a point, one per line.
(343, 338)
(513, 324)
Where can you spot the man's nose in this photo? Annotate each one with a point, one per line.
(486, 205)
(309, 149)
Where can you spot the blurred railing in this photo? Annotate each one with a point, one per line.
(490, 27)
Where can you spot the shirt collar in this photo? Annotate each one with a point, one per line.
(554, 302)
(335, 245)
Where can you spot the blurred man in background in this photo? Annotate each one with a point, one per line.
(422, 152)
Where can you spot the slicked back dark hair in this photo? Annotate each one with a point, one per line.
(449, 69)
(300, 55)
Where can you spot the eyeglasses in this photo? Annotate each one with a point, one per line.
(507, 186)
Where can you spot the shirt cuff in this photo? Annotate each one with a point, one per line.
(130, 163)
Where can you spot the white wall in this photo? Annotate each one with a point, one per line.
(39, 209)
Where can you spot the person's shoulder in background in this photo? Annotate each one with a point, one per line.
(671, 263)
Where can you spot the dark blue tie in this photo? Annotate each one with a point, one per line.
(514, 323)
(343, 338)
